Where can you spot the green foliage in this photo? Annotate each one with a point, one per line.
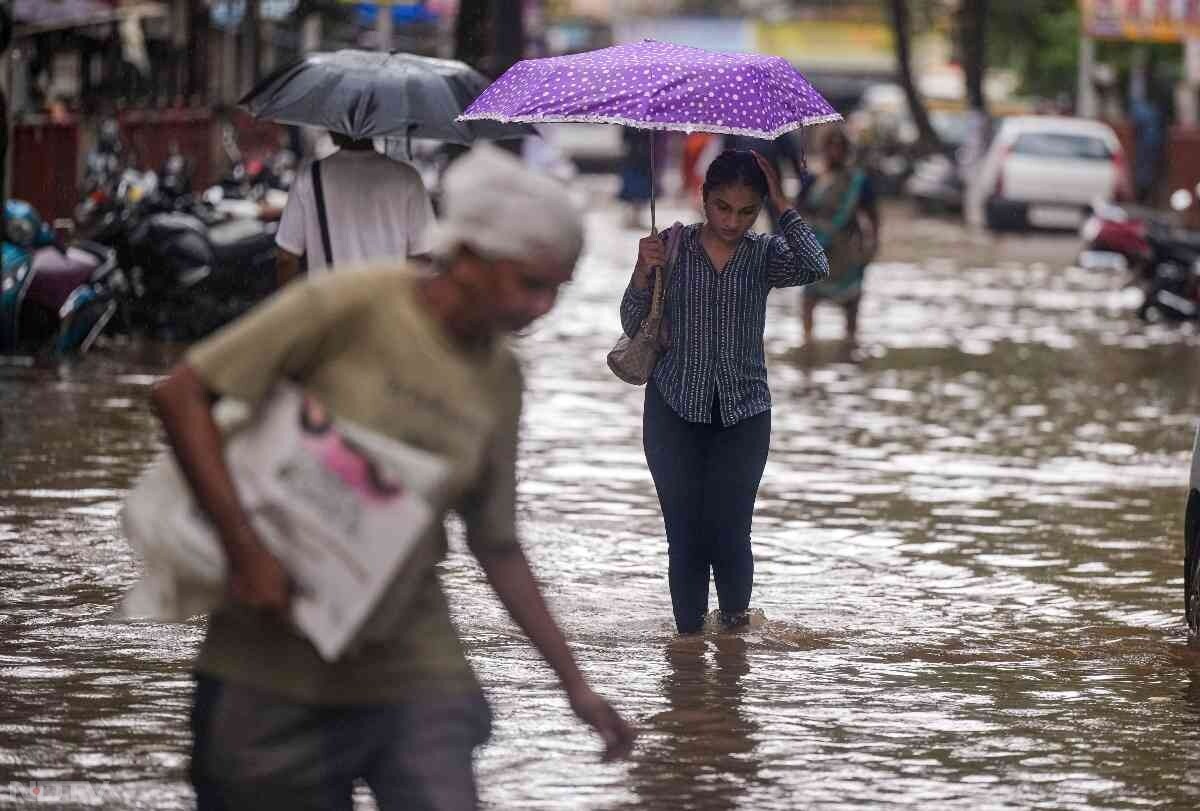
(1039, 39)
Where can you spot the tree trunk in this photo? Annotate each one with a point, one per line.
(508, 48)
(508, 27)
(252, 43)
(973, 45)
(471, 32)
(197, 53)
(902, 26)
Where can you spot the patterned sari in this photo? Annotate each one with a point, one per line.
(833, 209)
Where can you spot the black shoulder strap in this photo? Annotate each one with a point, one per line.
(319, 194)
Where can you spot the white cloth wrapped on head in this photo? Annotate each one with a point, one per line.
(494, 205)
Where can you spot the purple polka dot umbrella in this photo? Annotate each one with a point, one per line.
(658, 86)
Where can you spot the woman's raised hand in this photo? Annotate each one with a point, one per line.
(651, 254)
(774, 187)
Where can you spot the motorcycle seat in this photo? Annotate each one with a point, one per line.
(233, 231)
(1188, 239)
(57, 274)
(238, 242)
(1178, 242)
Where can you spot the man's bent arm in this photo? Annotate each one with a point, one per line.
(508, 571)
(184, 406)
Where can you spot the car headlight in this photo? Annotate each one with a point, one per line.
(8, 283)
(1090, 230)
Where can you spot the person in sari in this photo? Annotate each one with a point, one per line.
(840, 206)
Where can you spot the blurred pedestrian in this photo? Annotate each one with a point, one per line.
(1150, 139)
(707, 421)
(352, 207)
(421, 358)
(841, 205)
(637, 181)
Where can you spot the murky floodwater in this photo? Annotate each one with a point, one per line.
(968, 544)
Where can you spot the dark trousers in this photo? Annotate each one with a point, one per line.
(707, 479)
(255, 750)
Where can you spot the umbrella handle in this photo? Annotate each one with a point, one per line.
(653, 227)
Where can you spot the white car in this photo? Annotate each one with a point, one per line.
(1045, 172)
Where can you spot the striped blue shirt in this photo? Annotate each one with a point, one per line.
(716, 320)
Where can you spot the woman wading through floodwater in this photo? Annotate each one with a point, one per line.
(707, 421)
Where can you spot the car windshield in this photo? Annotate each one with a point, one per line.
(1061, 145)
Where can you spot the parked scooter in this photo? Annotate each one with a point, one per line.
(189, 279)
(52, 296)
(1173, 291)
(1161, 256)
(190, 268)
(1115, 238)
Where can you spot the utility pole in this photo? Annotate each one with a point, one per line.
(311, 33)
(1087, 104)
(384, 25)
(1189, 86)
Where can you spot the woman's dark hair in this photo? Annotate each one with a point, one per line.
(733, 167)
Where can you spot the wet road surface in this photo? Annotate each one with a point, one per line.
(968, 546)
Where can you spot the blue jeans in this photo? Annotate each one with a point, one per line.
(255, 750)
(707, 478)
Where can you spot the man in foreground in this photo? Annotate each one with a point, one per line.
(423, 360)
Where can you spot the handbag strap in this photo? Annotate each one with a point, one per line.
(662, 279)
(674, 240)
(322, 219)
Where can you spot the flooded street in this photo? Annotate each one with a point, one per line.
(968, 546)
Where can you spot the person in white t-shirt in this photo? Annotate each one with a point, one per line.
(377, 208)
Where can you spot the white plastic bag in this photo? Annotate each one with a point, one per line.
(340, 507)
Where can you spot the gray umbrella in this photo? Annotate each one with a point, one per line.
(372, 94)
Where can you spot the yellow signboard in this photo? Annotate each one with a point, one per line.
(1142, 20)
(832, 43)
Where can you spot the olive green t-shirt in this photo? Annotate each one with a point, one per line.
(362, 344)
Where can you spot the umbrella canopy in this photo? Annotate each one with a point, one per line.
(373, 94)
(657, 85)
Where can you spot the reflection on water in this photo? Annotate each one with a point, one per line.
(968, 548)
(703, 745)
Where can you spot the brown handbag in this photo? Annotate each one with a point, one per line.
(634, 356)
